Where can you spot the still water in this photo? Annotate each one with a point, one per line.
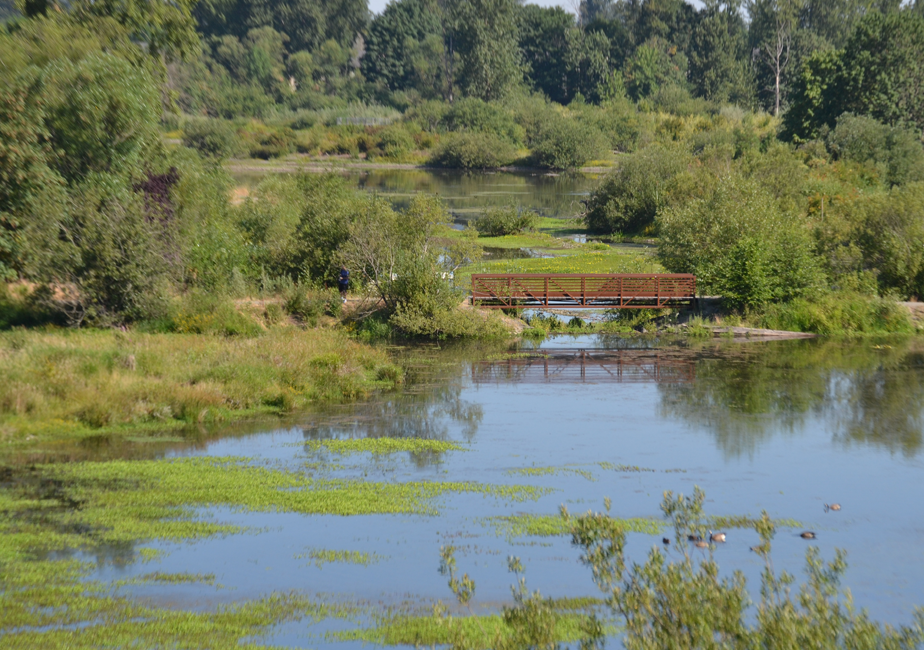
(467, 194)
(783, 426)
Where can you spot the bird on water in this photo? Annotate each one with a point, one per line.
(717, 537)
(665, 541)
(694, 538)
(701, 544)
(807, 535)
(834, 506)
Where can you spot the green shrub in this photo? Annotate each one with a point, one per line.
(476, 115)
(895, 152)
(628, 199)
(565, 144)
(266, 142)
(473, 151)
(310, 303)
(200, 312)
(740, 245)
(211, 138)
(393, 142)
(497, 222)
(837, 313)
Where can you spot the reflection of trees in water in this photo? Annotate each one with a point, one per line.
(556, 195)
(430, 407)
(746, 394)
(881, 406)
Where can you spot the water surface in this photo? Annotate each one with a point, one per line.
(783, 426)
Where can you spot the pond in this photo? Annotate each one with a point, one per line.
(784, 426)
(466, 194)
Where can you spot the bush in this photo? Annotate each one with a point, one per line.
(629, 198)
(497, 222)
(310, 303)
(740, 245)
(211, 138)
(896, 153)
(200, 312)
(476, 115)
(838, 313)
(565, 144)
(393, 142)
(266, 142)
(473, 151)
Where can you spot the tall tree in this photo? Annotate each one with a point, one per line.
(394, 37)
(718, 66)
(543, 44)
(879, 74)
(486, 33)
(773, 23)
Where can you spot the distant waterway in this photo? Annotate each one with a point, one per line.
(467, 194)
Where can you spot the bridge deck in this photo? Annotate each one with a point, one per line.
(575, 290)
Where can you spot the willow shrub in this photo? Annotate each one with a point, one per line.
(740, 245)
(629, 199)
(473, 151)
(687, 604)
(497, 222)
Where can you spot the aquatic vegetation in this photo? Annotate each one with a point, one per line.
(170, 579)
(384, 445)
(549, 471)
(624, 468)
(320, 557)
(75, 384)
(550, 525)
(432, 630)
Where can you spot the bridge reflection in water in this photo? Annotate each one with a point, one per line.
(589, 366)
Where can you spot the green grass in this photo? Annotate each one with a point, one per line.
(384, 446)
(319, 557)
(73, 384)
(549, 471)
(478, 631)
(614, 260)
(551, 525)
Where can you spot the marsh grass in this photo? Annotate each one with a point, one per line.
(552, 525)
(320, 556)
(478, 631)
(550, 471)
(60, 384)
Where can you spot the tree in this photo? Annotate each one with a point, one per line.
(718, 67)
(543, 43)
(101, 116)
(393, 38)
(656, 63)
(486, 36)
(773, 23)
(168, 28)
(877, 74)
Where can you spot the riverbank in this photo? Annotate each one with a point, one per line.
(75, 384)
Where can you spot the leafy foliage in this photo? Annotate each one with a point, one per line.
(498, 222)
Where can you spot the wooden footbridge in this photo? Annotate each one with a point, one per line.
(583, 290)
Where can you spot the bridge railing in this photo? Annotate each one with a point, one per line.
(587, 290)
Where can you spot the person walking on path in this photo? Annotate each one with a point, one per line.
(344, 282)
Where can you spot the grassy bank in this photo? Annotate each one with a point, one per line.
(62, 384)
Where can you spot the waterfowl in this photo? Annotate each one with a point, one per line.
(694, 538)
(717, 537)
(701, 544)
(807, 535)
(666, 541)
(834, 506)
